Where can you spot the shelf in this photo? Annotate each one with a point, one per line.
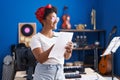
(99, 32)
(88, 48)
(99, 35)
(85, 30)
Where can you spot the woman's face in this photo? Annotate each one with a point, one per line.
(50, 21)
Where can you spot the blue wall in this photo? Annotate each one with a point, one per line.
(15, 11)
(108, 15)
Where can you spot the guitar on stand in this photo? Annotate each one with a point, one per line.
(105, 64)
(111, 49)
(66, 19)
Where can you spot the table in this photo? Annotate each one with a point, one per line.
(90, 75)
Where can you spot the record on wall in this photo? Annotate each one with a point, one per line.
(26, 31)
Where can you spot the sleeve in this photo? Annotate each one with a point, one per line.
(35, 42)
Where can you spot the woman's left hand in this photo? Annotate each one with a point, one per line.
(68, 52)
(69, 47)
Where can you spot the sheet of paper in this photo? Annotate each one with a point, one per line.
(59, 48)
(116, 46)
(113, 46)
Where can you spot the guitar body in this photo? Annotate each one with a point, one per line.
(66, 24)
(105, 65)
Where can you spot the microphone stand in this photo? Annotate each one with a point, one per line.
(112, 54)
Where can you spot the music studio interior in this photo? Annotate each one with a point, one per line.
(95, 24)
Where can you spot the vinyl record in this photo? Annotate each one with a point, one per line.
(27, 30)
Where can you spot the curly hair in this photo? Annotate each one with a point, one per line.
(43, 12)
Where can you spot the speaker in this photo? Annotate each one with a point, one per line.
(26, 31)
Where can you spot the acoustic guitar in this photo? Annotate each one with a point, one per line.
(105, 64)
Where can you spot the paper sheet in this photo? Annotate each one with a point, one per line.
(113, 46)
(116, 46)
(59, 48)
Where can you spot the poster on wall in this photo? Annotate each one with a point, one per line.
(26, 31)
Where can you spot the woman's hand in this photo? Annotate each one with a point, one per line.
(69, 48)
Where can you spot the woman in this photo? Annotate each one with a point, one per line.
(42, 43)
